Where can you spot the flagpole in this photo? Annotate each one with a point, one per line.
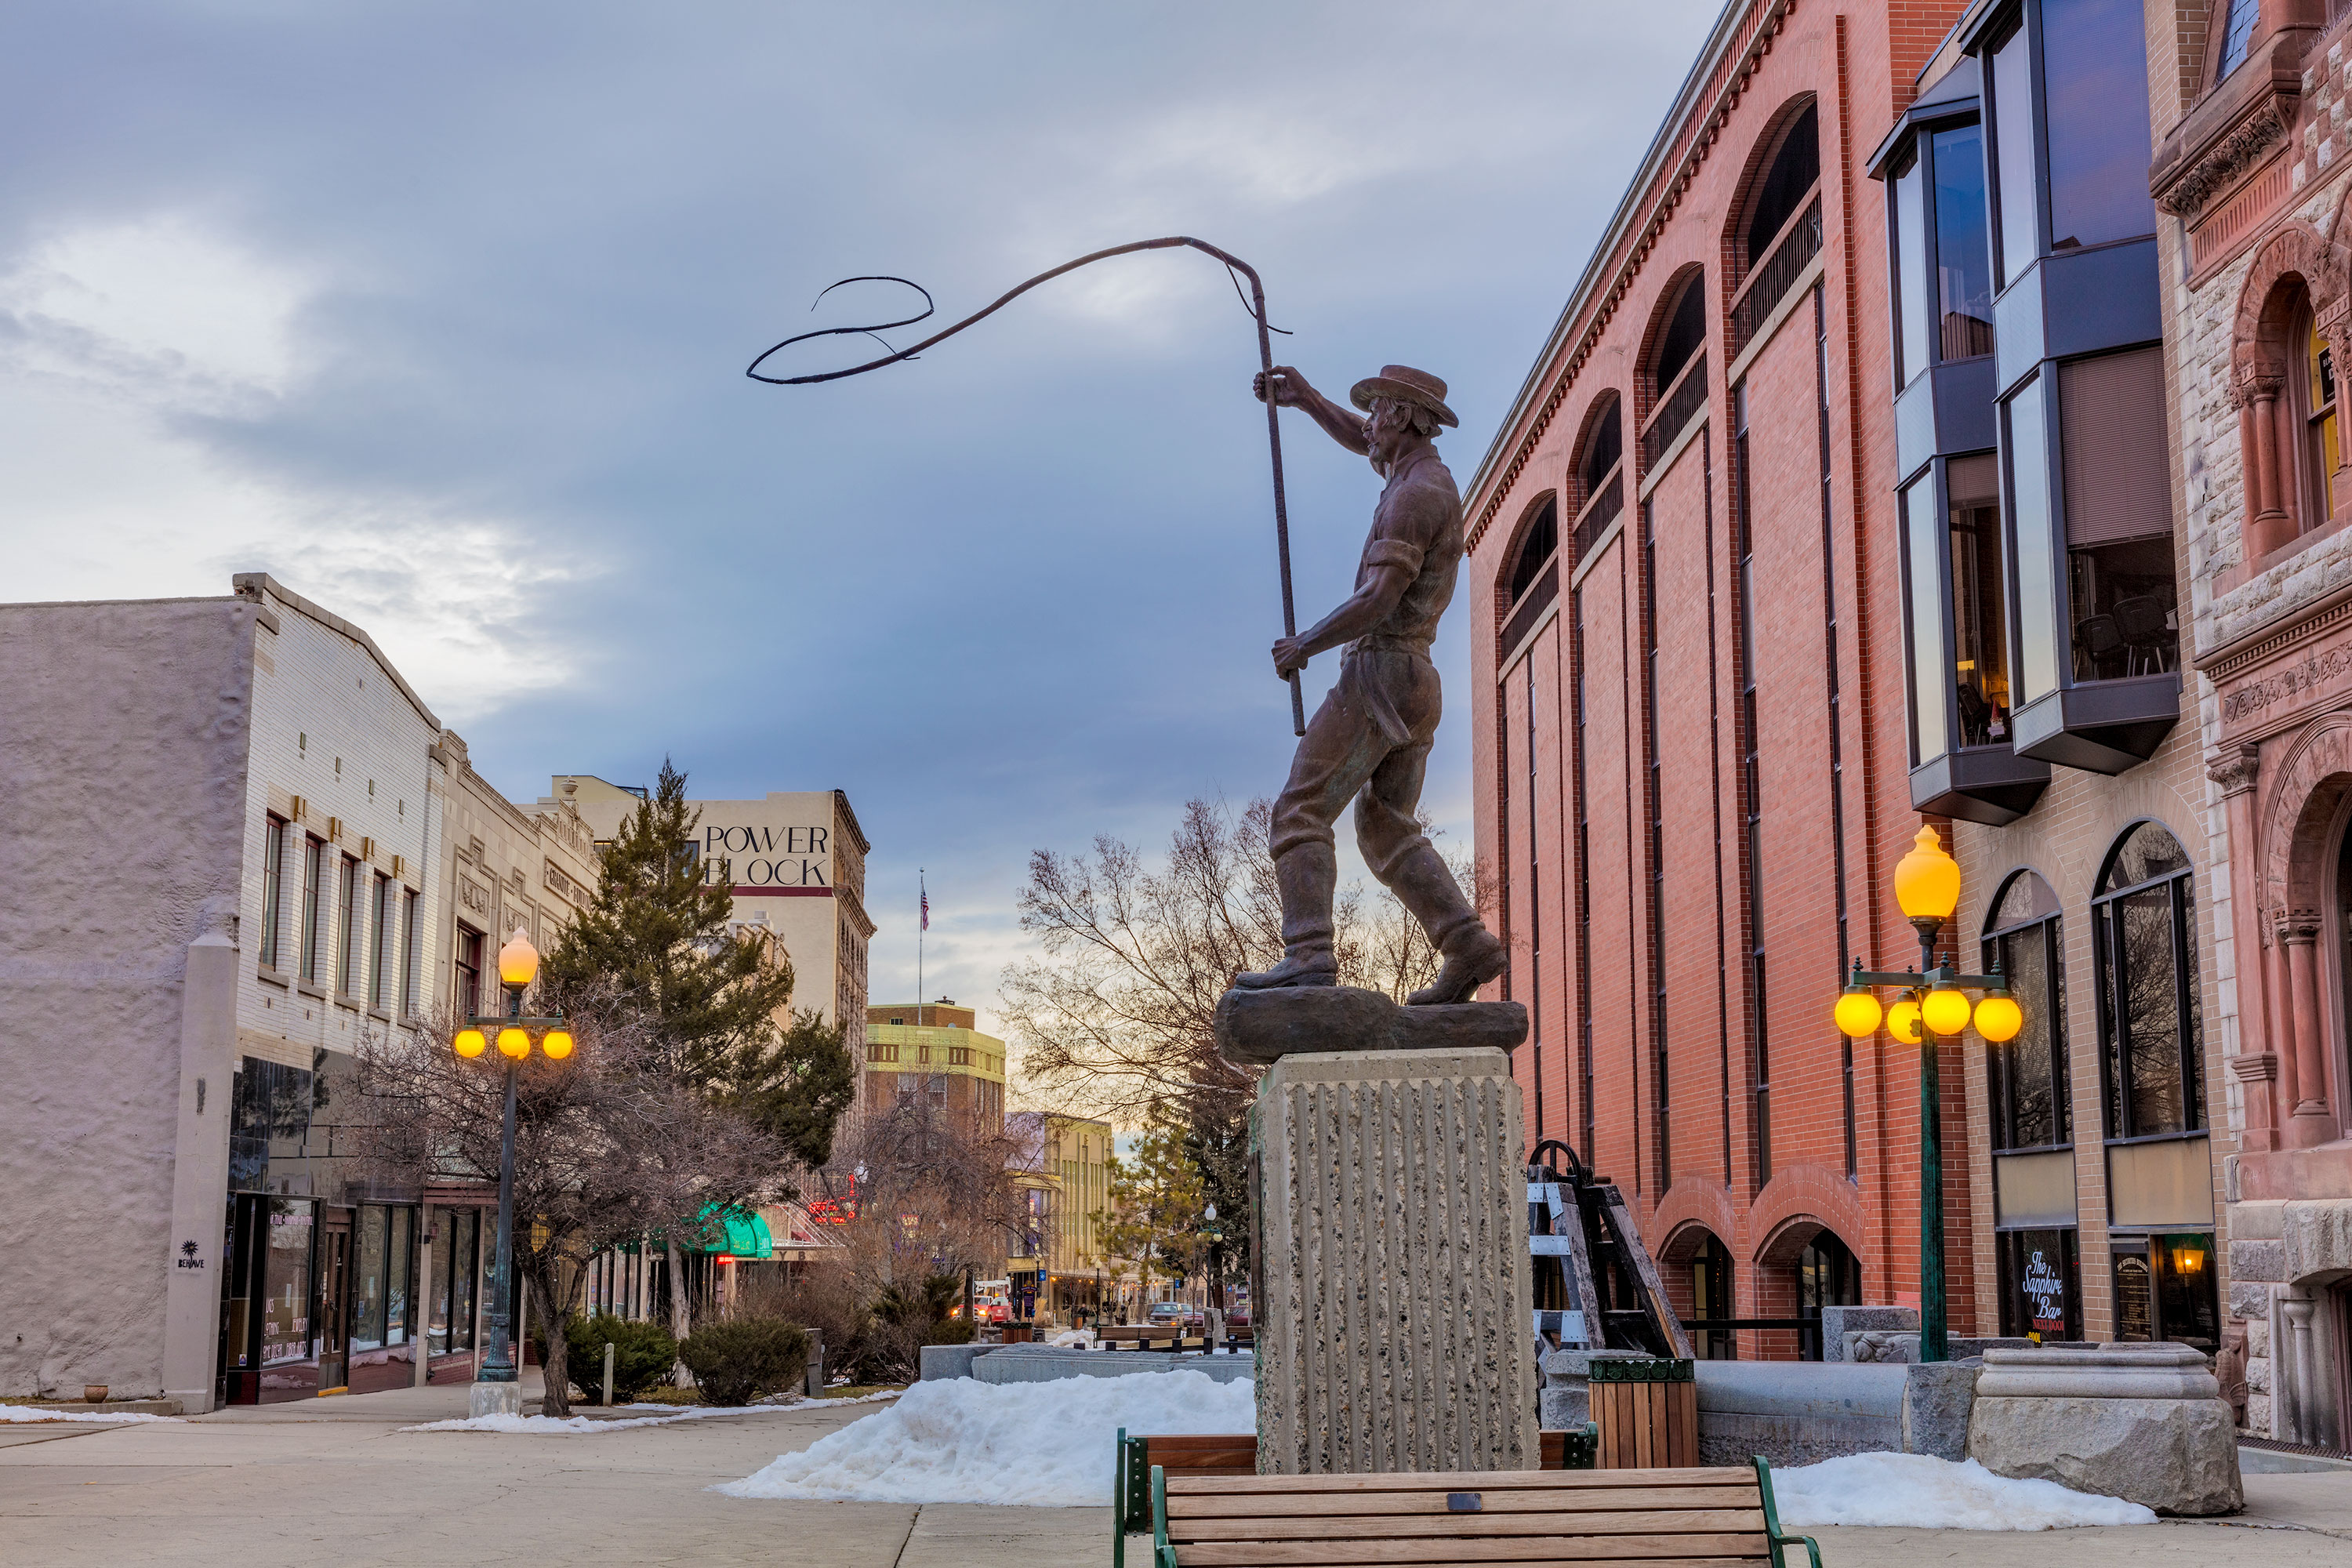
(922, 924)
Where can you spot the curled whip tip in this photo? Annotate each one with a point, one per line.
(873, 331)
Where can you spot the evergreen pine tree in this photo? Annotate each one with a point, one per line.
(655, 942)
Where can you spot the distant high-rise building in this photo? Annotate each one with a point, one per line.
(932, 1048)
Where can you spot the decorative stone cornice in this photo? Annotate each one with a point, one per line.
(2235, 771)
(2318, 669)
(2186, 192)
(2253, 1067)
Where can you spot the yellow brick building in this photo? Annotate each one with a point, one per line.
(933, 1048)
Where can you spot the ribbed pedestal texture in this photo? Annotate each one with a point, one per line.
(1391, 1295)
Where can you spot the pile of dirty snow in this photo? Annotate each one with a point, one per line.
(1044, 1445)
(1928, 1493)
(41, 1413)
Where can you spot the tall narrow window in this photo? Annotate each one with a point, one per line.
(1963, 245)
(379, 951)
(354, 923)
(2095, 94)
(1677, 371)
(273, 878)
(1783, 231)
(313, 852)
(1914, 308)
(2238, 34)
(1979, 589)
(1828, 1275)
(1583, 943)
(2143, 929)
(2029, 1103)
(2025, 420)
(468, 988)
(1751, 779)
(2117, 471)
(1654, 780)
(1923, 533)
(1534, 584)
(412, 948)
(1598, 487)
(2017, 194)
(2316, 406)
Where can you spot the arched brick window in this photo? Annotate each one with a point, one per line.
(1596, 493)
(1675, 379)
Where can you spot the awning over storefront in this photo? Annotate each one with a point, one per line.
(729, 1229)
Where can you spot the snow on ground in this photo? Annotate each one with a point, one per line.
(39, 1413)
(1928, 1493)
(1044, 1445)
(566, 1426)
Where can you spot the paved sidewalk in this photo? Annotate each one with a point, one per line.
(336, 1482)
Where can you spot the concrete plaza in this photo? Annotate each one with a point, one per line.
(335, 1482)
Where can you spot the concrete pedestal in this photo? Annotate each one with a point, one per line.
(494, 1399)
(1392, 1288)
(2141, 1422)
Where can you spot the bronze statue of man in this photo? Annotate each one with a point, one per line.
(1370, 741)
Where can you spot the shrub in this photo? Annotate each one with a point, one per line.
(741, 1358)
(952, 1332)
(643, 1355)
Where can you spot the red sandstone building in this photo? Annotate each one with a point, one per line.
(1746, 556)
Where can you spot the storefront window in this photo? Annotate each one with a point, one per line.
(398, 1310)
(2143, 925)
(2164, 1289)
(367, 1308)
(2040, 1285)
(465, 1272)
(2030, 1099)
(1828, 1275)
(286, 1328)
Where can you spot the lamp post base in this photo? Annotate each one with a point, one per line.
(495, 1399)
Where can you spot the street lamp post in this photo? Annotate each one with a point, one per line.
(1933, 1004)
(497, 1389)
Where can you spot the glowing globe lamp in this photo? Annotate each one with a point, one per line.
(518, 961)
(1927, 880)
(1945, 1010)
(514, 1043)
(557, 1044)
(1999, 1017)
(469, 1043)
(1903, 1021)
(1858, 1012)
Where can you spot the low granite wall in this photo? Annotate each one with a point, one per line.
(1045, 1364)
(1798, 1413)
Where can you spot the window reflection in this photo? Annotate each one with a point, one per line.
(2143, 922)
(2094, 63)
(1963, 245)
(1914, 305)
(2316, 403)
(1931, 732)
(2013, 138)
(1979, 584)
(2030, 1099)
(2037, 591)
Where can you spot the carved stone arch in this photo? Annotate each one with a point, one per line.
(2297, 250)
(2304, 801)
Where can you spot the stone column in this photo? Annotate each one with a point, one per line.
(2278, 995)
(2310, 1124)
(2273, 527)
(1395, 1308)
(2298, 1389)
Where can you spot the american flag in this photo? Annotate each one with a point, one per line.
(927, 910)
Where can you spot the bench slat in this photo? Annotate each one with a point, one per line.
(1473, 1480)
(1518, 1500)
(1661, 1523)
(1682, 1551)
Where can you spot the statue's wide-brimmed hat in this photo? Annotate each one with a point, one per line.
(1405, 385)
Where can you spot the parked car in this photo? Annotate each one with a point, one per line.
(1169, 1315)
(1237, 1317)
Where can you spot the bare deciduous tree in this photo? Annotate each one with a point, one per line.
(1118, 1015)
(607, 1148)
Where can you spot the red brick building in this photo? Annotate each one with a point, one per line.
(1689, 688)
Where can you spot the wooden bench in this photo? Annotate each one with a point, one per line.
(1189, 1456)
(1653, 1519)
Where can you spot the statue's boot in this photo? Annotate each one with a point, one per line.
(1308, 876)
(1473, 954)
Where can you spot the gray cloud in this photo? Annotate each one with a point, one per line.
(440, 311)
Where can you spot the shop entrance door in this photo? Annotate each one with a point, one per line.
(334, 1300)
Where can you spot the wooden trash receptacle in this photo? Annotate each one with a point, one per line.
(1647, 1411)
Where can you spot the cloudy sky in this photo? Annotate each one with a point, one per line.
(440, 311)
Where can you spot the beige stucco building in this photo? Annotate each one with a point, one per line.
(499, 866)
(795, 862)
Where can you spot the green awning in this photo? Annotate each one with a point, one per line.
(740, 1232)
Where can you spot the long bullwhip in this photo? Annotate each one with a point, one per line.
(1265, 361)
